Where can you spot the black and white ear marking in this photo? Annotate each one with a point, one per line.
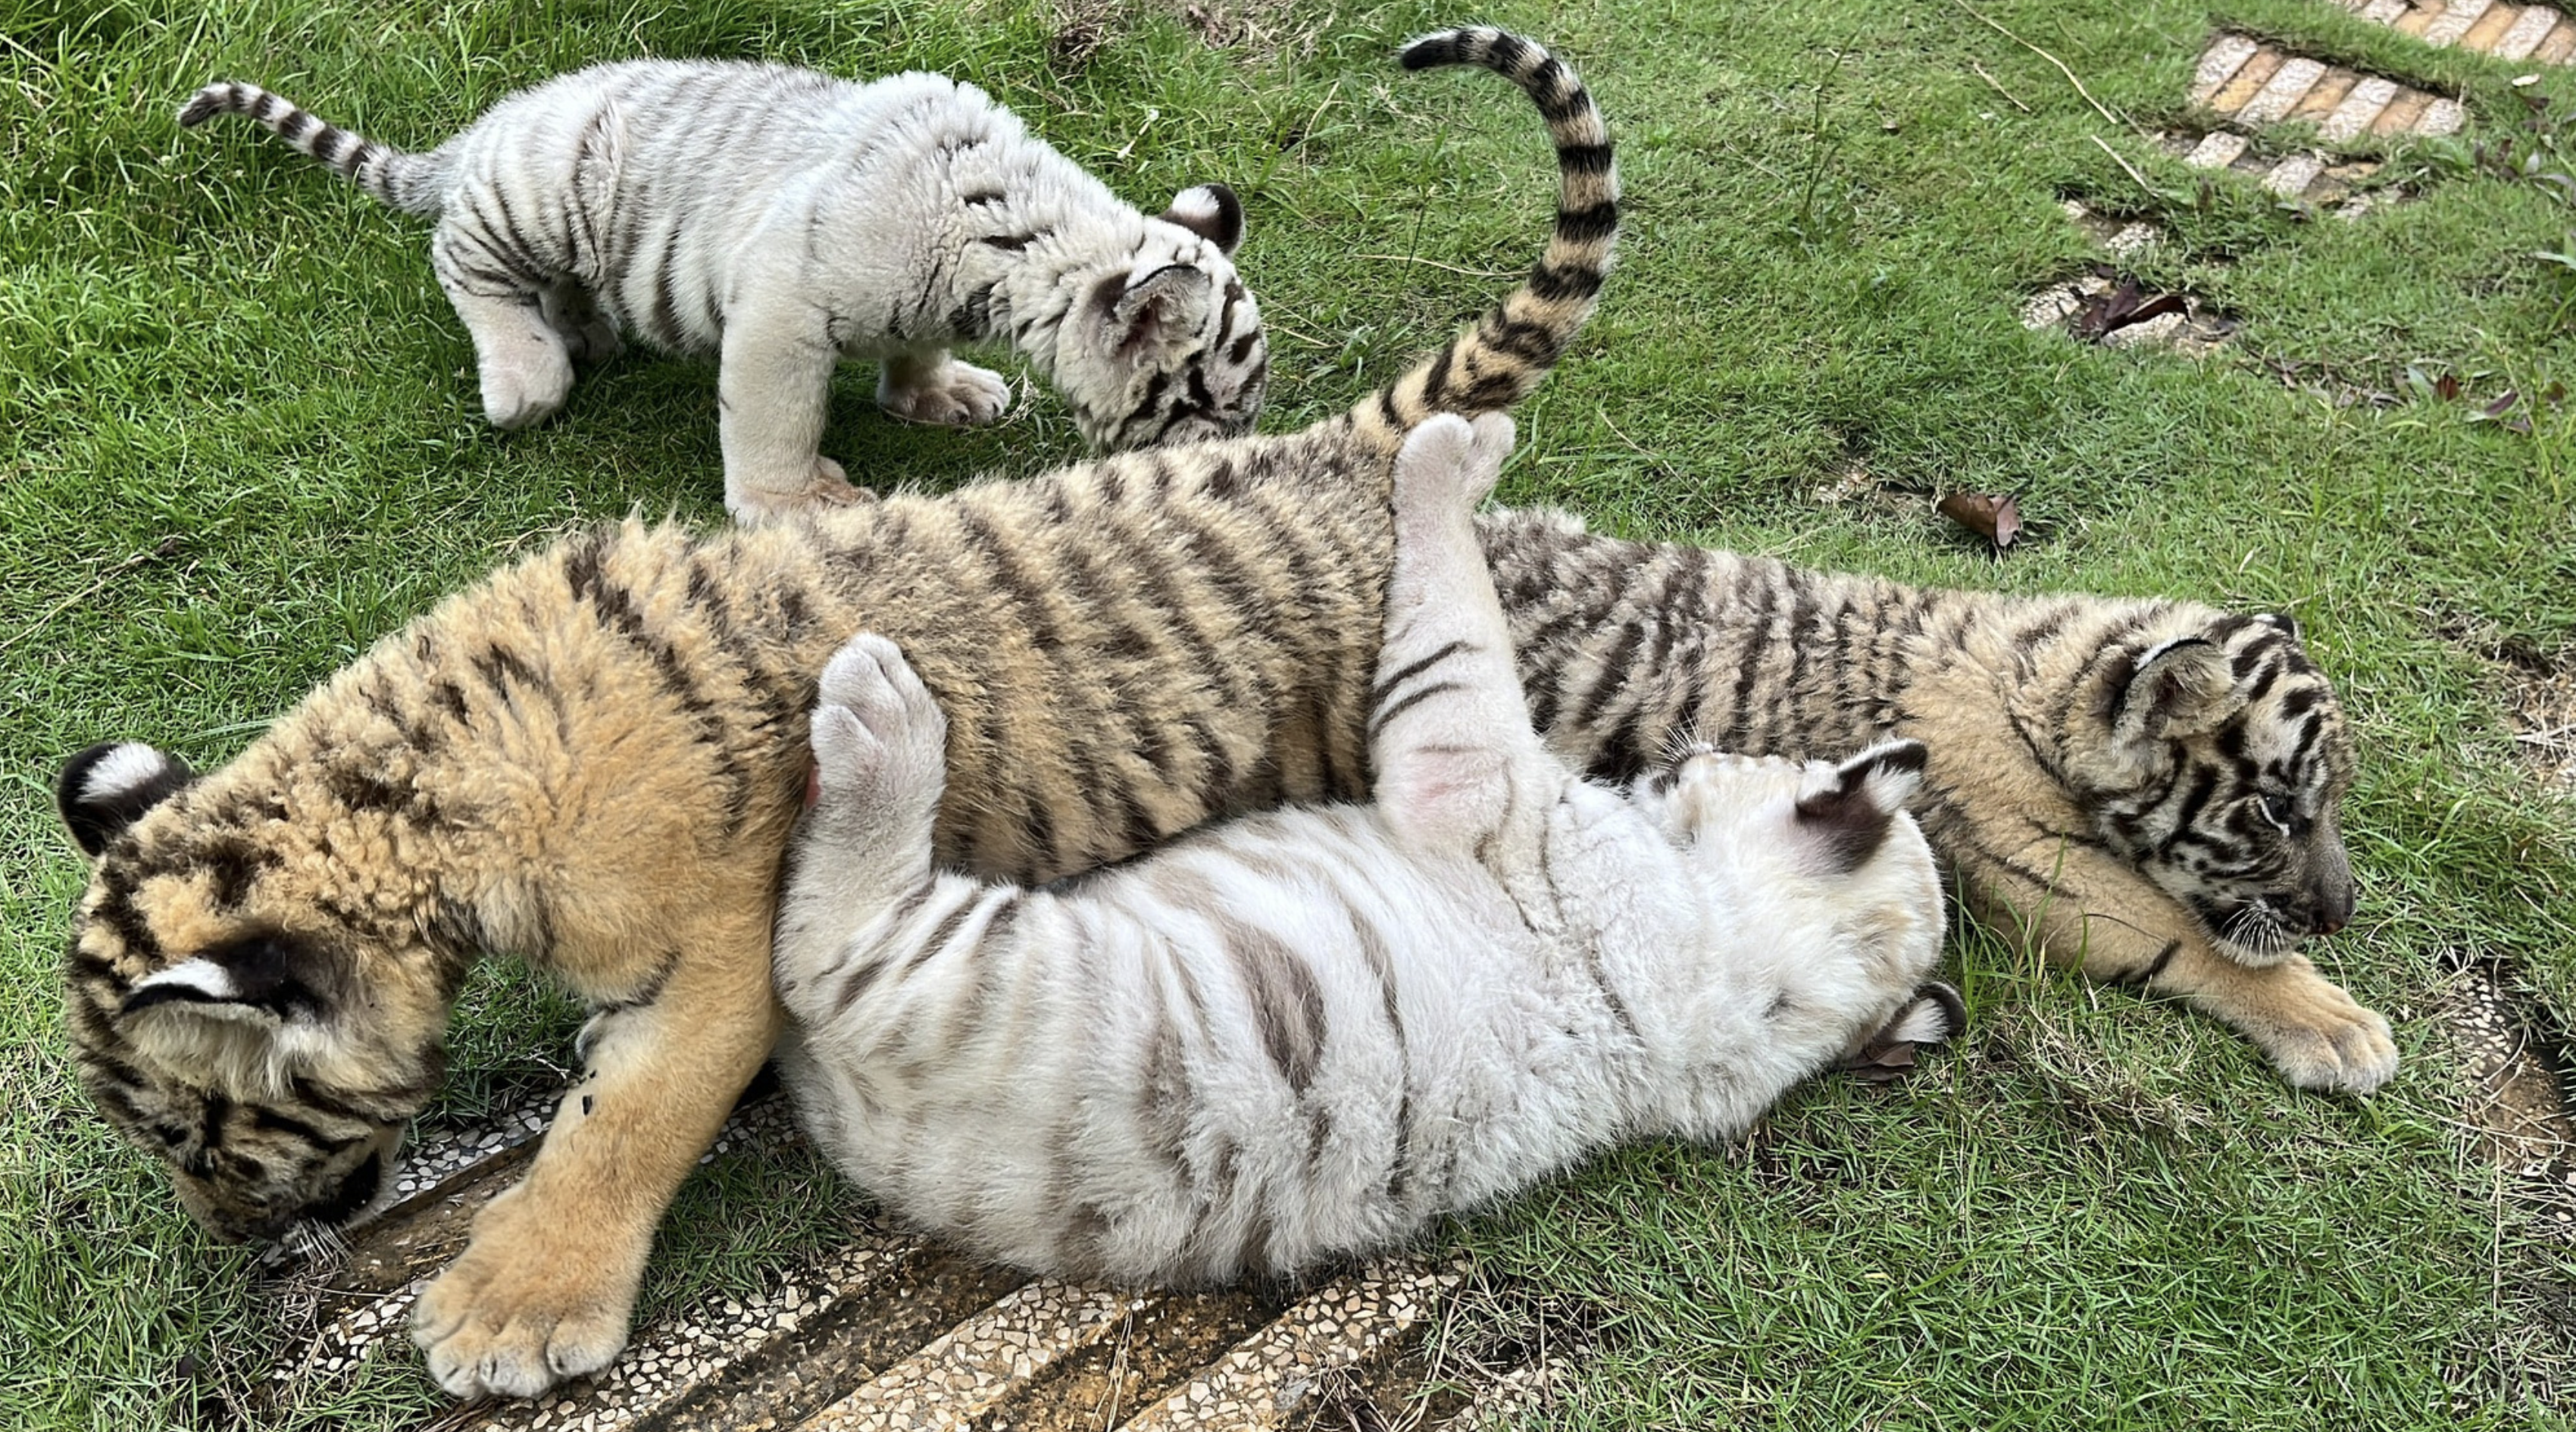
(2175, 688)
(1212, 212)
(1164, 307)
(1849, 815)
(109, 786)
(192, 982)
(266, 979)
(2288, 624)
(1936, 1015)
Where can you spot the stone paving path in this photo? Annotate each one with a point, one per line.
(2252, 84)
(2510, 32)
(892, 1330)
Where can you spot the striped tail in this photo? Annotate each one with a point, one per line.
(410, 182)
(1498, 361)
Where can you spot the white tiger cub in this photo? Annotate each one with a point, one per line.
(1310, 1032)
(786, 219)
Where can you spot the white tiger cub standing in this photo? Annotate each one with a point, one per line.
(786, 219)
(1310, 1032)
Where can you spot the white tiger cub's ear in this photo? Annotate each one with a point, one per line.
(1846, 812)
(2177, 688)
(1212, 212)
(1166, 307)
(109, 786)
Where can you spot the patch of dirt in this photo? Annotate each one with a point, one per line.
(1849, 481)
(1257, 29)
(2540, 697)
(2516, 1112)
(1260, 29)
(2537, 691)
(2514, 1121)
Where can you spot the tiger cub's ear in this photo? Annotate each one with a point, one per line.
(2179, 688)
(109, 786)
(1212, 212)
(1164, 308)
(248, 1013)
(260, 979)
(1847, 812)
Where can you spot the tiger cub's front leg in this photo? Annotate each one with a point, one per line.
(546, 1288)
(525, 367)
(2106, 919)
(773, 387)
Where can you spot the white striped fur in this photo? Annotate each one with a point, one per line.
(786, 219)
(1310, 1032)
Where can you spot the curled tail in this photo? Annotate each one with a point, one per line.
(1498, 361)
(410, 182)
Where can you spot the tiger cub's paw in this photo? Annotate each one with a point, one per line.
(517, 1314)
(823, 485)
(880, 739)
(2318, 1036)
(525, 381)
(950, 395)
(1447, 465)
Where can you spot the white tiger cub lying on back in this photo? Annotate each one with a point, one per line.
(1310, 1032)
(787, 219)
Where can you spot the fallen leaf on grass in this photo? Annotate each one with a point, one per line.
(2441, 388)
(1882, 1064)
(2120, 306)
(1997, 519)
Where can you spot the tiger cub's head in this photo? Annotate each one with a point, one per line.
(2213, 755)
(1815, 851)
(1164, 344)
(235, 1006)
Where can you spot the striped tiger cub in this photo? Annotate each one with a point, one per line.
(784, 220)
(1308, 1033)
(592, 760)
(2146, 789)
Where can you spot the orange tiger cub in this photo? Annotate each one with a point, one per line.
(591, 761)
(2149, 789)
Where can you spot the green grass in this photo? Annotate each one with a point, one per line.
(2101, 1211)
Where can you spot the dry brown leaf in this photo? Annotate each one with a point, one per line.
(2121, 305)
(1883, 1064)
(1993, 517)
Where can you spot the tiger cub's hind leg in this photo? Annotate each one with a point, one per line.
(880, 766)
(1933, 1017)
(1449, 731)
(934, 387)
(526, 369)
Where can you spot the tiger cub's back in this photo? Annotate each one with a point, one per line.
(1200, 626)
